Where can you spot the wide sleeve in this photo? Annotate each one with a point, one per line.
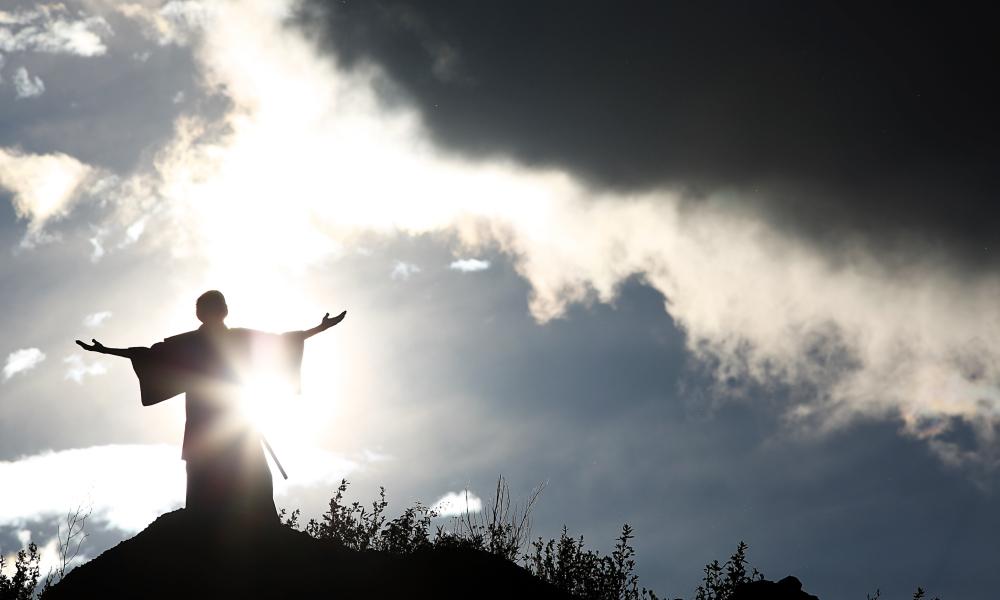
(157, 368)
(278, 355)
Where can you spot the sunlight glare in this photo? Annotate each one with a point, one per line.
(296, 426)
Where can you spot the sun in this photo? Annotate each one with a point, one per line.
(298, 427)
(265, 402)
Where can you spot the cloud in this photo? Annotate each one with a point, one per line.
(22, 360)
(45, 186)
(816, 124)
(469, 265)
(50, 28)
(403, 270)
(97, 249)
(78, 369)
(27, 86)
(175, 23)
(133, 233)
(97, 318)
(848, 336)
(455, 504)
(127, 485)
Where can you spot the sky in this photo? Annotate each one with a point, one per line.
(723, 272)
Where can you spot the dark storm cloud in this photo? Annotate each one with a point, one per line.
(876, 123)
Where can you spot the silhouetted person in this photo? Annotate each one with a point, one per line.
(227, 474)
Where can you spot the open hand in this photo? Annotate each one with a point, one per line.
(95, 347)
(329, 321)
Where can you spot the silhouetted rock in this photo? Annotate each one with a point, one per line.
(789, 588)
(180, 556)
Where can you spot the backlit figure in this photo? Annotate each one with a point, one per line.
(227, 473)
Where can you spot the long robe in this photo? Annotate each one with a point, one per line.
(227, 471)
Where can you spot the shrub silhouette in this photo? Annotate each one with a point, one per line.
(21, 585)
(920, 594)
(25, 583)
(721, 581)
(501, 529)
(568, 565)
(353, 526)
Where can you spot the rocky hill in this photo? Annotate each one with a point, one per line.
(179, 557)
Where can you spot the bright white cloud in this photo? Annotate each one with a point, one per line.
(454, 504)
(755, 304)
(133, 233)
(97, 318)
(469, 265)
(175, 23)
(51, 28)
(26, 86)
(77, 368)
(97, 251)
(403, 270)
(22, 360)
(45, 186)
(127, 486)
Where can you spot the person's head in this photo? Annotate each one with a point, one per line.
(211, 307)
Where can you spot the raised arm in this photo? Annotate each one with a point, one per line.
(102, 349)
(325, 324)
